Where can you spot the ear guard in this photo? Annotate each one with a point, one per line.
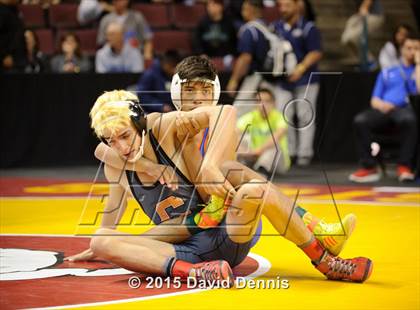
(176, 89)
(137, 116)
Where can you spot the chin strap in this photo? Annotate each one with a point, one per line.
(141, 148)
(143, 135)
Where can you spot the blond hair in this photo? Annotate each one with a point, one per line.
(111, 111)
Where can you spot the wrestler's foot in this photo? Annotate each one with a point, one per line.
(333, 236)
(213, 212)
(335, 268)
(218, 270)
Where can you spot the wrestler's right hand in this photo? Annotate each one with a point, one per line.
(165, 175)
(82, 256)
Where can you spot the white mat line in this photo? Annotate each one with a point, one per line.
(263, 266)
(395, 189)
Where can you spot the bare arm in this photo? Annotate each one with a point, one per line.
(221, 147)
(364, 7)
(222, 134)
(117, 200)
(172, 230)
(221, 121)
(310, 59)
(272, 140)
(417, 61)
(107, 155)
(112, 213)
(381, 105)
(239, 71)
(148, 50)
(164, 174)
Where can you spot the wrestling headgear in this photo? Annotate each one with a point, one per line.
(176, 89)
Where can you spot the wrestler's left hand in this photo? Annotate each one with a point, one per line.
(82, 256)
(213, 182)
(165, 175)
(186, 127)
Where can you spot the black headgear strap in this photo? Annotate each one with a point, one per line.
(138, 117)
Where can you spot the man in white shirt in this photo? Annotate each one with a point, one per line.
(117, 55)
(137, 31)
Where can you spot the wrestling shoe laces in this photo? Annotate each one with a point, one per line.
(212, 271)
(335, 268)
(338, 265)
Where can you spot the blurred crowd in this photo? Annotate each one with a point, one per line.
(242, 37)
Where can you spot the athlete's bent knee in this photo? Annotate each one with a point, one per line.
(100, 242)
(229, 166)
(254, 189)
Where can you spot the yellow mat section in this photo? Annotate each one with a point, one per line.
(387, 232)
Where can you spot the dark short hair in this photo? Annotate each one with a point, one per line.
(404, 26)
(265, 90)
(259, 4)
(64, 36)
(412, 36)
(219, 2)
(171, 57)
(196, 67)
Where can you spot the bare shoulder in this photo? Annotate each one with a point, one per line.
(152, 118)
(164, 124)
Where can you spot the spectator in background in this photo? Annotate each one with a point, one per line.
(359, 27)
(252, 49)
(215, 35)
(12, 41)
(154, 86)
(301, 84)
(306, 10)
(118, 55)
(35, 60)
(266, 131)
(234, 7)
(90, 11)
(415, 7)
(137, 31)
(70, 59)
(44, 3)
(390, 53)
(269, 3)
(390, 106)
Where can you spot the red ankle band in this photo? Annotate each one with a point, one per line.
(181, 269)
(314, 249)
